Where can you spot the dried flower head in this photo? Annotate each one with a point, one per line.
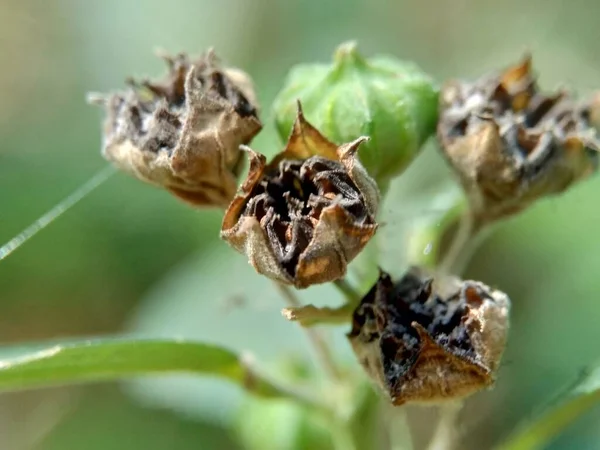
(304, 216)
(424, 340)
(510, 144)
(184, 132)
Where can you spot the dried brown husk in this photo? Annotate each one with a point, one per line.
(511, 144)
(304, 216)
(184, 132)
(429, 340)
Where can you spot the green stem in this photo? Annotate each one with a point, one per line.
(398, 428)
(351, 295)
(445, 433)
(271, 388)
(310, 315)
(463, 244)
(342, 437)
(321, 348)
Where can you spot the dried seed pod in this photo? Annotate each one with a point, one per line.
(304, 216)
(510, 144)
(424, 340)
(184, 132)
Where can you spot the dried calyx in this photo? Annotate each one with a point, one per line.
(184, 132)
(304, 216)
(428, 340)
(511, 144)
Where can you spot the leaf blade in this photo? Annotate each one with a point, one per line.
(116, 359)
(579, 399)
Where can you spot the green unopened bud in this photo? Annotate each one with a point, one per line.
(393, 102)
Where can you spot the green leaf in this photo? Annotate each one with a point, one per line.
(242, 316)
(104, 418)
(542, 430)
(115, 359)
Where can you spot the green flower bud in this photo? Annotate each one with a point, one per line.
(393, 102)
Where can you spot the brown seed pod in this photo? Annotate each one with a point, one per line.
(183, 133)
(304, 216)
(425, 341)
(510, 144)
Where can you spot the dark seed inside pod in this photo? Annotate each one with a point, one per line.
(289, 200)
(154, 111)
(387, 314)
(212, 80)
(511, 143)
(221, 84)
(532, 124)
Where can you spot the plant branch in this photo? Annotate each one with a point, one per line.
(257, 383)
(463, 244)
(310, 315)
(321, 348)
(351, 295)
(398, 429)
(459, 242)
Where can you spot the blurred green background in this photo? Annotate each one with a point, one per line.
(130, 258)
